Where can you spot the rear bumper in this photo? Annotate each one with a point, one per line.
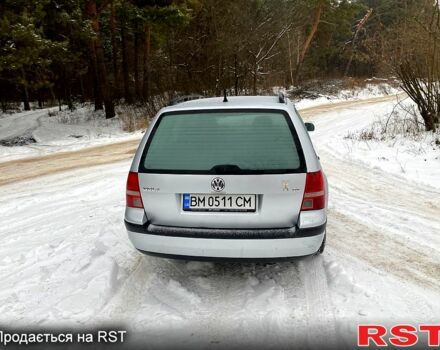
(232, 244)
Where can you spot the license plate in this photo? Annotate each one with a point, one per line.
(219, 202)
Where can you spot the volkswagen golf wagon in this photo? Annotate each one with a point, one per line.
(233, 178)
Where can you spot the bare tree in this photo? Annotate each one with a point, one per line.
(305, 48)
(419, 66)
(361, 24)
(264, 51)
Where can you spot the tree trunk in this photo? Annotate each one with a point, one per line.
(97, 93)
(146, 75)
(290, 60)
(81, 85)
(69, 97)
(96, 90)
(220, 84)
(235, 75)
(107, 90)
(102, 87)
(113, 40)
(125, 71)
(52, 94)
(26, 104)
(429, 121)
(109, 109)
(137, 83)
(309, 40)
(254, 80)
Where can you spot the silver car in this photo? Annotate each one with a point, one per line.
(234, 178)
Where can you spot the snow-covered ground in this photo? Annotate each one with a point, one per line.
(395, 143)
(360, 93)
(46, 131)
(65, 260)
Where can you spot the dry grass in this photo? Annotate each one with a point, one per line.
(404, 121)
(359, 83)
(138, 117)
(133, 117)
(332, 87)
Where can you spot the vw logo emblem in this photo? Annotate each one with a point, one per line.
(218, 184)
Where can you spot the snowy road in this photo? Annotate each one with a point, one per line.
(62, 161)
(65, 260)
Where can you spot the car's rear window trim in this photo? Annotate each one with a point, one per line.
(301, 169)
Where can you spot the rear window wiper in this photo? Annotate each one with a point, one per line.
(226, 169)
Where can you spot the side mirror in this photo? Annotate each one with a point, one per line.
(310, 126)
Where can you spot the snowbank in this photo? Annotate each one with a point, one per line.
(359, 93)
(40, 132)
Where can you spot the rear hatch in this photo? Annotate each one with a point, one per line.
(223, 169)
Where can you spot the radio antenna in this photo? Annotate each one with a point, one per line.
(225, 98)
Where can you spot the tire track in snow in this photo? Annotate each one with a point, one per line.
(375, 186)
(62, 161)
(377, 241)
(388, 253)
(322, 326)
(236, 303)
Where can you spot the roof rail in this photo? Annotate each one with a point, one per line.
(185, 98)
(281, 97)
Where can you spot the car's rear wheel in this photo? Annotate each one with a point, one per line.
(322, 247)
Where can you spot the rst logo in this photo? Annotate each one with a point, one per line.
(402, 335)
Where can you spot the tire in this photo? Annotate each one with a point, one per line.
(322, 247)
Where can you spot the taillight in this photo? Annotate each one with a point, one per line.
(134, 199)
(314, 193)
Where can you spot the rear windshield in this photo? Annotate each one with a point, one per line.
(227, 142)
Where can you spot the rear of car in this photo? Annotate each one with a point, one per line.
(236, 179)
